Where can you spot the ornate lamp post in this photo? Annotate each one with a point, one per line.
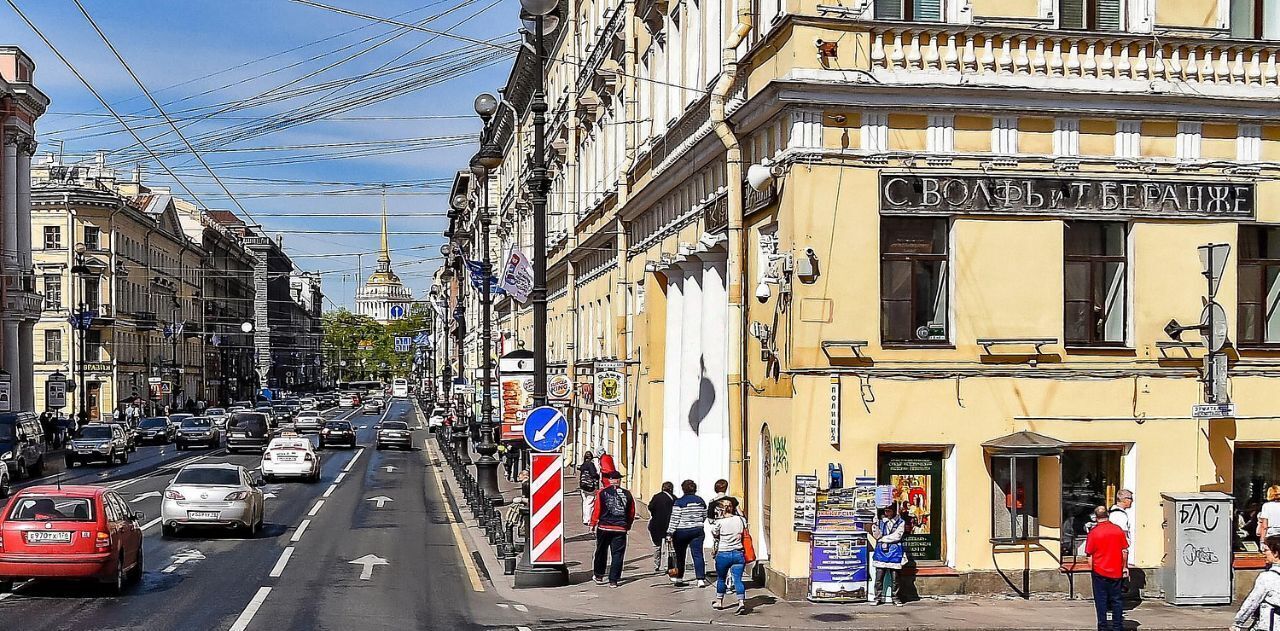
(79, 271)
(489, 157)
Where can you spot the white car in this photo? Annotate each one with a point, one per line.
(348, 400)
(291, 457)
(308, 403)
(213, 495)
(217, 415)
(308, 421)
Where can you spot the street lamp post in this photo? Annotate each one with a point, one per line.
(490, 156)
(541, 12)
(78, 272)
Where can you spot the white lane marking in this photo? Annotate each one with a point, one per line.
(143, 496)
(523, 629)
(185, 556)
(151, 523)
(315, 509)
(380, 500)
(251, 609)
(16, 587)
(302, 527)
(520, 608)
(284, 560)
(463, 550)
(504, 605)
(169, 570)
(353, 460)
(329, 491)
(367, 563)
(339, 479)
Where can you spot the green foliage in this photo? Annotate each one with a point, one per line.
(343, 331)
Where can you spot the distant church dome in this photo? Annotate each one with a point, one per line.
(383, 290)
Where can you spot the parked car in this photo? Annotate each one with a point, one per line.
(6, 482)
(394, 434)
(21, 444)
(436, 420)
(290, 457)
(248, 430)
(70, 532)
(199, 430)
(98, 441)
(308, 421)
(337, 433)
(213, 495)
(155, 429)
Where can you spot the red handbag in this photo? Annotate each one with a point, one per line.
(748, 546)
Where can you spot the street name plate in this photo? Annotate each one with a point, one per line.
(1213, 410)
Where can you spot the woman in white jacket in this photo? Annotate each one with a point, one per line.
(1261, 610)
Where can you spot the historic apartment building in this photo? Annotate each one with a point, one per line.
(21, 103)
(937, 243)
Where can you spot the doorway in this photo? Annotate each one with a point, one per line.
(93, 396)
(1090, 478)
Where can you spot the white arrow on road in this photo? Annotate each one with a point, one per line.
(269, 495)
(143, 496)
(380, 500)
(389, 468)
(368, 561)
(190, 554)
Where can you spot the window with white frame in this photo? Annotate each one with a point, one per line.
(1091, 15)
(1255, 19)
(909, 10)
(52, 237)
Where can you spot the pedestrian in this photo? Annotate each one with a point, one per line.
(1269, 516)
(615, 511)
(889, 555)
(722, 493)
(685, 533)
(1108, 551)
(1260, 610)
(729, 553)
(659, 518)
(588, 485)
(606, 463)
(1122, 515)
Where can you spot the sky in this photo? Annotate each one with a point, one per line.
(300, 110)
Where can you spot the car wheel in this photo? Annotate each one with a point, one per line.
(135, 574)
(121, 579)
(6, 587)
(6, 487)
(70, 462)
(38, 467)
(124, 458)
(378, 446)
(230, 450)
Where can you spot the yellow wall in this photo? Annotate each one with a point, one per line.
(1035, 136)
(1218, 142)
(1005, 8)
(1159, 139)
(973, 134)
(1187, 13)
(1097, 137)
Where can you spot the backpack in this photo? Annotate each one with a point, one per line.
(589, 479)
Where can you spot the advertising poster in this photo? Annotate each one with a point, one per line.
(838, 513)
(610, 383)
(838, 567)
(864, 501)
(806, 503)
(915, 482)
(517, 398)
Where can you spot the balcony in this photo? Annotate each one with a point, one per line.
(105, 316)
(26, 303)
(973, 55)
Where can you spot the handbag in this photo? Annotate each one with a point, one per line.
(672, 571)
(748, 546)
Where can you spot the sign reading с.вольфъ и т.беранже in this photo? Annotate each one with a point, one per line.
(987, 194)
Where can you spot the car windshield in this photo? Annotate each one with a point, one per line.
(395, 425)
(338, 425)
(196, 422)
(208, 475)
(177, 418)
(153, 422)
(51, 507)
(95, 431)
(246, 417)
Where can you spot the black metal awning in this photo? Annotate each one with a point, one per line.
(1024, 443)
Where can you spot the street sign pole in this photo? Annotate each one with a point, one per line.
(1213, 323)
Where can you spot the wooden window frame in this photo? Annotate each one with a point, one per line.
(914, 259)
(1097, 265)
(1263, 264)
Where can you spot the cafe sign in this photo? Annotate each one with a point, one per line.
(908, 194)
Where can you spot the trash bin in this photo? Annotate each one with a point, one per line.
(1197, 548)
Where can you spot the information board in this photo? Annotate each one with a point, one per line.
(806, 503)
(838, 567)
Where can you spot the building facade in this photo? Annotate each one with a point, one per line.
(21, 104)
(937, 244)
(286, 323)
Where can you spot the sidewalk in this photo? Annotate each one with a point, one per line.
(648, 596)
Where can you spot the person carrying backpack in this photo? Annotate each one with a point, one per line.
(614, 512)
(588, 484)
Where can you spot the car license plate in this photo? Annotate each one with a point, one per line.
(203, 514)
(84, 452)
(46, 536)
(288, 457)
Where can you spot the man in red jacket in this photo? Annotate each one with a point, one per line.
(614, 513)
(1108, 549)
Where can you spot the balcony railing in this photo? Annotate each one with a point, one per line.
(961, 50)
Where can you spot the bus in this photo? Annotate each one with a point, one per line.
(399, 387)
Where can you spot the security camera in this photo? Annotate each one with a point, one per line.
(763, 292)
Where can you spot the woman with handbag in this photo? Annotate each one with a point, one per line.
(889, 555)
(732, 551)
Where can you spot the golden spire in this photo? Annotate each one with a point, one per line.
(386, 251)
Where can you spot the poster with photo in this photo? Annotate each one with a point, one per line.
(915, 488)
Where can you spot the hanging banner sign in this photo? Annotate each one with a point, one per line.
(610, 383)
(559, 388)
(517, 279)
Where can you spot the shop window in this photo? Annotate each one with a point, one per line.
(1090, 478)
(1254, 469)
(909, 10)
(1255, 19)
(1095, 281)
(913, 280)
(1015, 499)
(916, 482)
(1091, 15)
(1259, 286)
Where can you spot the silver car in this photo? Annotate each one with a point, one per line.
(308, 421)
(218, 495)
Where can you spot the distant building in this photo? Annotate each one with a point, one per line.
(383, 291)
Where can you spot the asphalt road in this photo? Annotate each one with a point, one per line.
(331, 556)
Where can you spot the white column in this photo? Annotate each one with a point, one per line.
(25, 151)
(24, 384)
(671, 465)
(9, 215)
(690, 415)
(714, 445)
(12, 358)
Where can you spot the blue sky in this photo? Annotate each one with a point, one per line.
(187, 52)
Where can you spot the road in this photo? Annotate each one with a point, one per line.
(330, 556)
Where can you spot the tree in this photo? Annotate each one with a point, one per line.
(344, 331)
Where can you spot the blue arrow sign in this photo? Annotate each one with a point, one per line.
(545, 429)
(397, 312)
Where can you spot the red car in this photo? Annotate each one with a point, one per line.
(72, 532)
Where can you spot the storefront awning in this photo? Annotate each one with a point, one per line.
(1024, 443)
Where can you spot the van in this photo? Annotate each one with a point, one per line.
(22, 444)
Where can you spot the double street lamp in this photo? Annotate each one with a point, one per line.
(80, 321)
(489, 157)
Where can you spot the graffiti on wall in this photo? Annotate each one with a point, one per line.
(780, 461)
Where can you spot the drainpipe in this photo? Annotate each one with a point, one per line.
(735, 266)
(625, 88)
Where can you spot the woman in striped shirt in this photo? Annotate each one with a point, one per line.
(686, 533)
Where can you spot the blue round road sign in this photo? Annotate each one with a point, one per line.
(397, 311)
(545, 429)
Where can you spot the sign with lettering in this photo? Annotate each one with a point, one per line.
(1045, 195)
